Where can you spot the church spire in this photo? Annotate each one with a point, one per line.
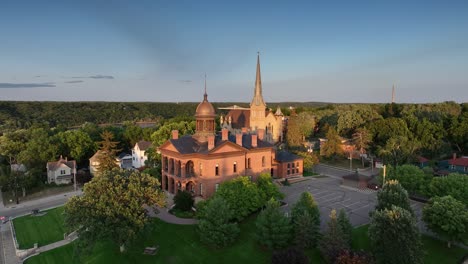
(205, 95)
(258, 97)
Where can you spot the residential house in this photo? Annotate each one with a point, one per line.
(139, 155)
(61, 171)
(125, 161)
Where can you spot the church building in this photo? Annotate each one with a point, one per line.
(258, 116)
(199, 163)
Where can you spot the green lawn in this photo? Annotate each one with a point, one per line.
(43, 230)
(178, 244)
(436, 252)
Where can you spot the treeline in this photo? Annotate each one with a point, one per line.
(16, 115)
(398, 132)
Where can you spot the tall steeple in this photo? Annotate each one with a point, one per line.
(393, 94)
(258, 97)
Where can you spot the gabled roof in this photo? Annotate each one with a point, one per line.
(284, 156)
(54, 165)
(463, 161)
(143, 145)
(422, 159)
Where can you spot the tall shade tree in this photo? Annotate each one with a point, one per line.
(214, 226)
(455, 185)
(333, 145)
(333, 241)
(448, 218)
(394, 237)
(267, 189)
(242, 196)
(107, 152)
(132, 133)
(76, 143)
(112, 208)
(392, 194)
(399, 150)
(361, 139)
(272, 227)
(411, 177)
(310, 159)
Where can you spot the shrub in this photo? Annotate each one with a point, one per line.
(392, 193)
(183, 201)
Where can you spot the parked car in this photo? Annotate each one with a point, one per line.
(373, 186)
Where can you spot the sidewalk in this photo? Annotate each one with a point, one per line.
(163, 214)
(8, 252)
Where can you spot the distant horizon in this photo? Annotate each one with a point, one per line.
(152, 51)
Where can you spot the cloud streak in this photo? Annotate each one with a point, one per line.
(77, 81)
(98, 76)
(26, 85)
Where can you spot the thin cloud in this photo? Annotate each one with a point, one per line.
(77, 81)
(108, 77)
(185, 81)
(26, 85)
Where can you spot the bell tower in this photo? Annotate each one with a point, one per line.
(257, 106)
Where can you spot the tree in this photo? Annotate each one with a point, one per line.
(293, 135)
(346, 227)
(267, 189)
(399, 150)
(361, 139)
(132, 133)
(112, 207)
(448, 218)
(394, 237)
(310, 159)
(183, 200)
(333, 145)
(393, 194)
(272, 227)
(289, 256)
(76, 143)
(242, 196)
(215, 227)
(454, 184)
(333, 241)
(107, 152)
(38, 150)
(305, 217)
(409, 176)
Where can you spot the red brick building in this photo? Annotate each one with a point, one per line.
(200, 162)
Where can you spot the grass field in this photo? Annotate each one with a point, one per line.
(43, 230)
(180, 244)
(436, 252)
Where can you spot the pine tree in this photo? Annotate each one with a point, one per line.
(107, 152)
(306, 221)
(273, 228)
(333, 242)
(346, 227)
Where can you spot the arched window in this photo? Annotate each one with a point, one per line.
(217, 169)
(201, 168)
(234, 167)
(263, 161)
(248, 163)
(189, 171)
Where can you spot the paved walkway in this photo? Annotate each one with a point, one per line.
(163, 214)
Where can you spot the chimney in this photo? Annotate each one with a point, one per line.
(239, 139)
(175, 134)
(244, 130)
(254, 141)
(224, 134)
(211, 142)
(261, 133)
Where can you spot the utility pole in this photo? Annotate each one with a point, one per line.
(384, 173)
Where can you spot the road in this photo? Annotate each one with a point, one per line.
(43, 203)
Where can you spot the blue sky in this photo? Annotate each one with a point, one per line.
(333, 51)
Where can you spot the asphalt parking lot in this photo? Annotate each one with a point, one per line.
(329, 194)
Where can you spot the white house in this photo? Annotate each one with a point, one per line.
(139, 153)
(61, 171)
(94, 162)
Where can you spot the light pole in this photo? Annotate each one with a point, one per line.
(350, 161)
